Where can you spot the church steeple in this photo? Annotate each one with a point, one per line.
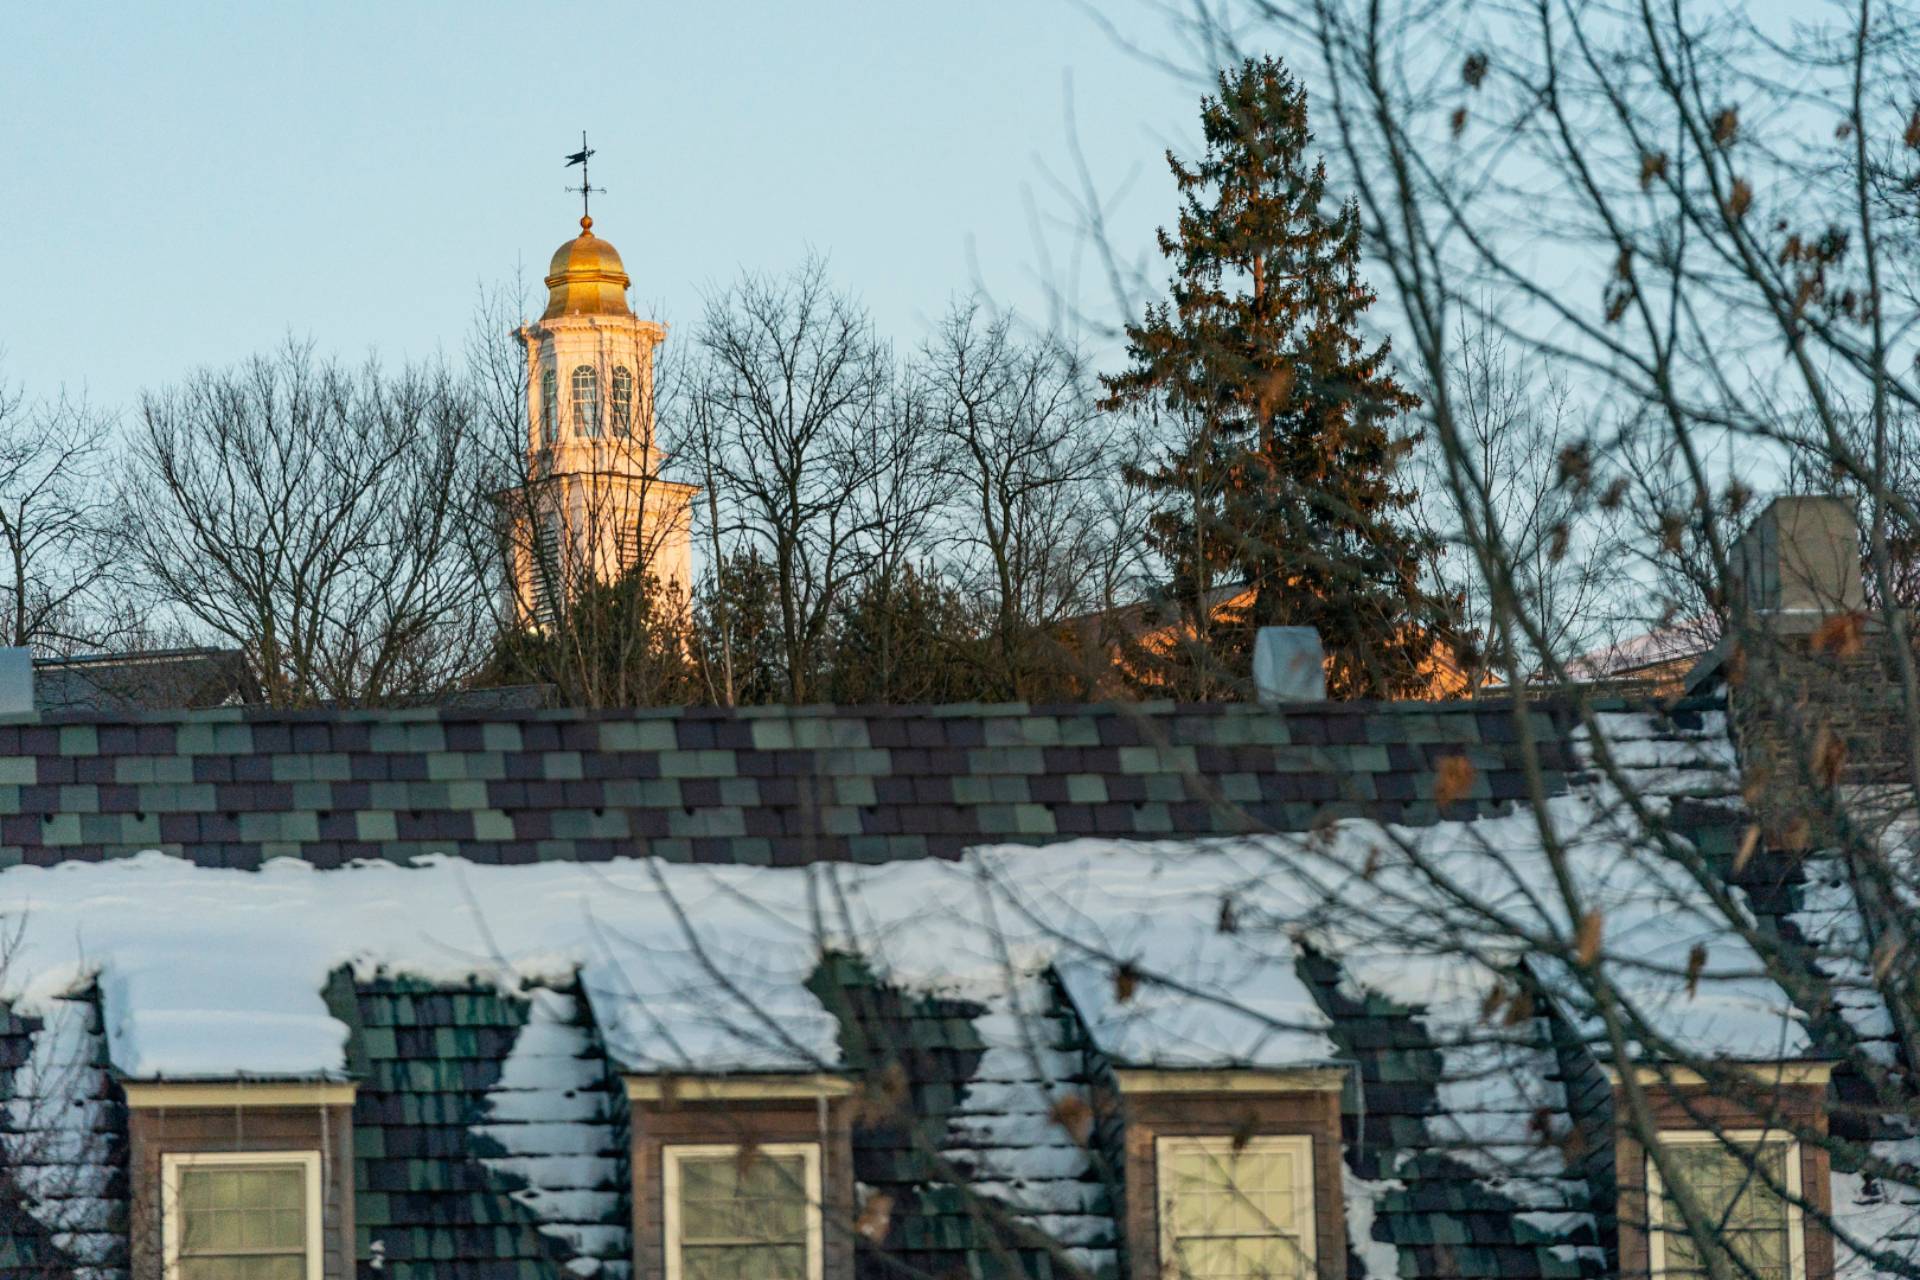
(595, 503)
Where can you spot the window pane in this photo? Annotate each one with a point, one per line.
(244, 1267)
(586, 401)
(1732, 1189)
(721, 1202)
(622, 400)
(1232, 1257)
(1233, 1215)
(242, 1223)
(744, 1262)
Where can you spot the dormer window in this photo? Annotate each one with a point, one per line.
(240, 1180)
(586, 401)
(1733, 1138)
(1234, 1208)
(549, 404)
(1237, 1171)
(242, 1215)
(742, 1177)
(743, 1213)
(1747, 1183)
(622, 401)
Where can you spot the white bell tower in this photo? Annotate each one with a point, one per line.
(593, 505)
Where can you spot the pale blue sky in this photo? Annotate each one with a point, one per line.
(187, 182)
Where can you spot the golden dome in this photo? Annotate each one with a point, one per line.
(586, 278)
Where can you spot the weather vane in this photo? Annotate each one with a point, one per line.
(585, 188)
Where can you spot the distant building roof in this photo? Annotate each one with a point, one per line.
(1648, 655)
(162, 680)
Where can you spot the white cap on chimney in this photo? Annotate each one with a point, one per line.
(1289, 665)
(16, 682)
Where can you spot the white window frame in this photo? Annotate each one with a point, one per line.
(1226, 1148)
(586, 426)
(171, 1164)
(1656, 1190)
(549, 406)
(619, 414)
(670, 1158)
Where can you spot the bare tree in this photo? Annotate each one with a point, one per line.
(313, 515)
(52, 511)
(1024, 448)
(789, 420)
(1570, 564)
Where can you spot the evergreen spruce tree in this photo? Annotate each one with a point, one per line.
(1284, 507)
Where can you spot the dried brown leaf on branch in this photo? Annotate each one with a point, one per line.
(1726, 127)
(1696, 964)
(1126, 981)
(1829, 756)
(884, 1097)
(1228, 921)
(1474, 69)
(1587, 938)
(1576, 465)
(1673, 528)
(1074, 1114)
(1452, 779)
(1739, 199)
(1912, 135)
(1458, 121)
(1885, 953)
(1653, 164)
(876, 1216)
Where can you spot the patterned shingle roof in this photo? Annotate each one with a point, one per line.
(761, 786)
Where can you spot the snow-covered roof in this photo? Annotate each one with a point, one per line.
(1174, 953)
(1373, 924)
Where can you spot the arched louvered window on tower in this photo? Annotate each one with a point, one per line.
(586, 401)
(549, 404)
(622, 401)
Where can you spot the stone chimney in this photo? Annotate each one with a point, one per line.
(1809, 673)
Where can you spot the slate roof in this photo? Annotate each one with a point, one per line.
(757, 786)
(430, 1185)
(465, 1170)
